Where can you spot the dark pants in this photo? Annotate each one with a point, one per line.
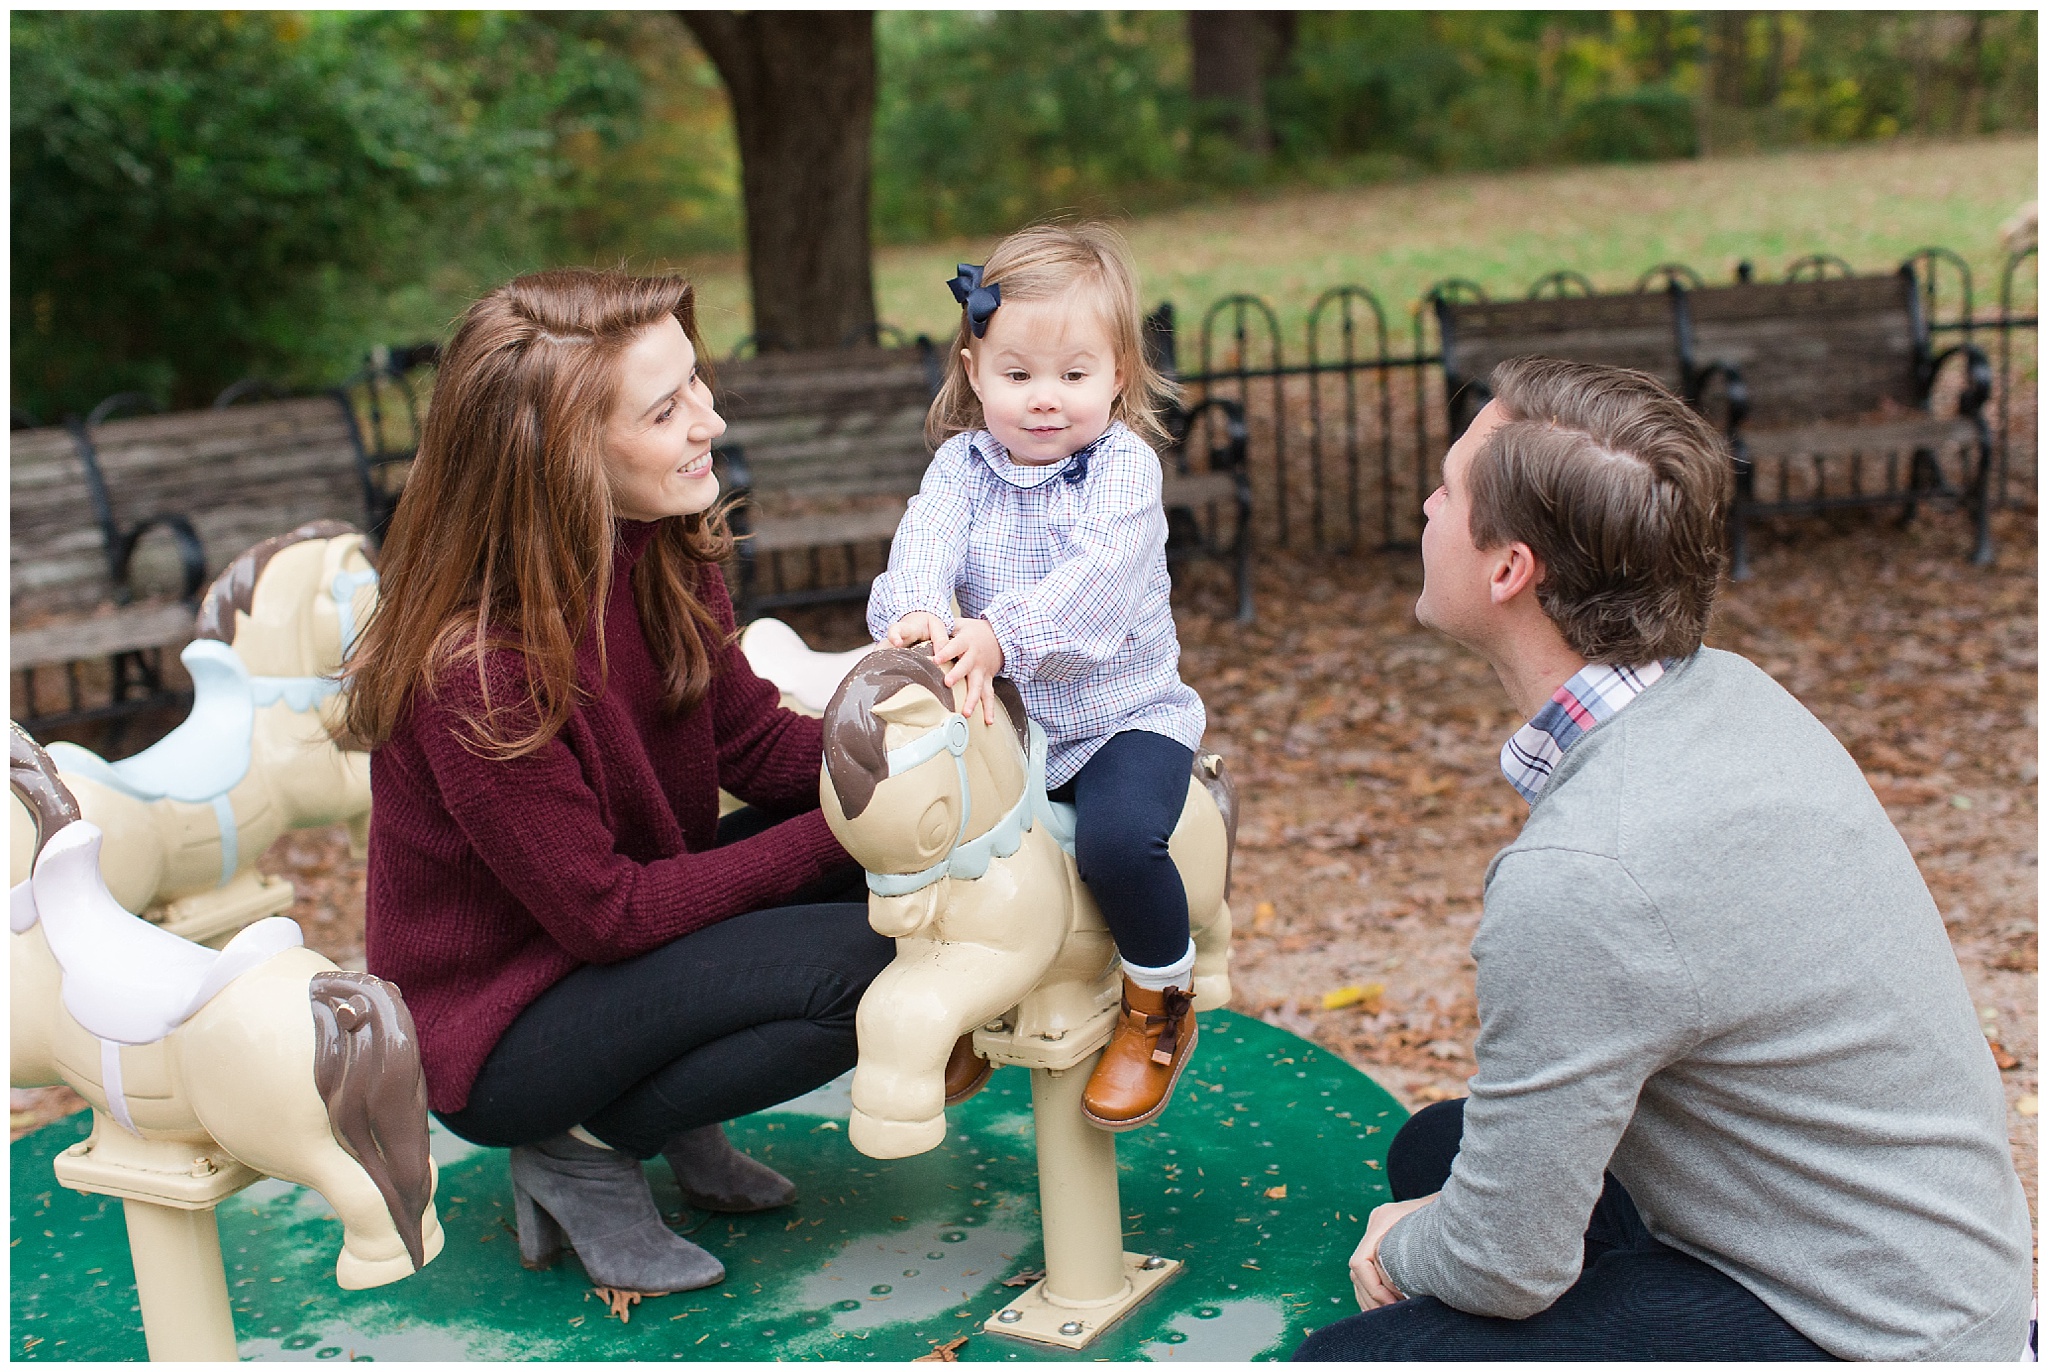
(719, 1023)
(1635, 1301)
(1127, 799)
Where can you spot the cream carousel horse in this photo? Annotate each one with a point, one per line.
(260, 1057)
(806, 678)
(970, 870)
(187, 818)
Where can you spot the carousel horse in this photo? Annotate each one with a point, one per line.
(806, 677)
(187, 818)
(971, 871)
(262, 1049)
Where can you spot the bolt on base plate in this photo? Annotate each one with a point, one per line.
(1035, 1317)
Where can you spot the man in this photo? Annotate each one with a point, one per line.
(1732, 1099)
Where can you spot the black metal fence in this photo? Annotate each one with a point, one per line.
(1347, 440)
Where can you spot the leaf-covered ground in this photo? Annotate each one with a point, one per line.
(1365, 751)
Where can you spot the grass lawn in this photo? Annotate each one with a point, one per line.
(1870, 205)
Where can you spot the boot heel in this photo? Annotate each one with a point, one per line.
(540, 1238)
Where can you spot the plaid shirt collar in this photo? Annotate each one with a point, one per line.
(1595, 695)
(1026, 475)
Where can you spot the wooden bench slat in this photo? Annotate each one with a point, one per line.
(1821, 440)
(149, 625)
(825, 530)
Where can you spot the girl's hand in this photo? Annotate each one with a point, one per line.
(919, 626)
(976, 655)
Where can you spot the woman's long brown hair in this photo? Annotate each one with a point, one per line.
(505, 536)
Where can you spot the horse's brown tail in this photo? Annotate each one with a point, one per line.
(1209, 770)
(33, 777)
(366, 1063)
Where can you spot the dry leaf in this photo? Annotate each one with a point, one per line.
(1421, 783)
(619, 1303)
(1263, 916)
(2028, 1106)
(2005, 1060)
(1366, 998)
(1026, 1277)
(943, 1352)
(1277, 1192)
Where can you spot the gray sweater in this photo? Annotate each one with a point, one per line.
(1709, 965)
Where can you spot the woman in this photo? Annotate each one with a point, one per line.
(599, 968)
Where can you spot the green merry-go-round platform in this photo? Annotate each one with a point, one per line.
(1258, 1179)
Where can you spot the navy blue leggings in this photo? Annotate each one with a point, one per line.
(1636, 1300)
(1127, 798)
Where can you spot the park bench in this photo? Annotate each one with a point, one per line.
(1824, 387)
(824, 450)
(120, 519)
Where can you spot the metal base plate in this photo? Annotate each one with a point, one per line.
(1034, 1316)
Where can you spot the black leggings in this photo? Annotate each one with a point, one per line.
(1127, 799)
(717, 1024)
(1636, 1300)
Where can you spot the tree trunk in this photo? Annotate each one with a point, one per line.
(803, 107)
(1236, 52)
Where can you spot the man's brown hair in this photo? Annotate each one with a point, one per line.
(1620, 490)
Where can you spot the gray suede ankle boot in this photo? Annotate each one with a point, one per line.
(596, 1200)
(714, 1175)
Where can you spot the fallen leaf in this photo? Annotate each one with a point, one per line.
(1026, 1277)
(1277, 1192)
(1366, 998)
(619, 1303)
(2028, 1105)
(943, 1352)
(1262, 916)
(2005, 1060)
(1421, 783)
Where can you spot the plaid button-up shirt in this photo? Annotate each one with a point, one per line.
(1594, 695)
(1067, 563)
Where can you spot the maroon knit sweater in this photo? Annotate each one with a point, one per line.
(491, 881)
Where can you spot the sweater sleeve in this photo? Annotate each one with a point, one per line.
(1582, 996)
(537, 824)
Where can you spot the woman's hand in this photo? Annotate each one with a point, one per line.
(919, 626)
(1367, 1280)
(976, 655)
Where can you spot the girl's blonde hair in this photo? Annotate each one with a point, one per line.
(1046, 261)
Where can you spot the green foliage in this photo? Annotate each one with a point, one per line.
(197, 196)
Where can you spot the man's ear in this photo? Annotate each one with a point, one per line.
(1515, 570)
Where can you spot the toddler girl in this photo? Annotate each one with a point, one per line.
(1041, 512)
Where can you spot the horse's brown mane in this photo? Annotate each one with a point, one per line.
(235, 588)
(34, 778)
(855, 758)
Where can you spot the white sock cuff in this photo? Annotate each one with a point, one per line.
(1179, 974)
(577, 1131)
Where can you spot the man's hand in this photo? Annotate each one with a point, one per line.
(919, 626)
(1367, 1280)
(976, 655)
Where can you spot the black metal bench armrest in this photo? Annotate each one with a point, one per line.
(1232, 454)
(1701, 381)
(1976, 378)
(120, 543)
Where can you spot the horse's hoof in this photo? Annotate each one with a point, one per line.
(1212, 992)
(879, 1138)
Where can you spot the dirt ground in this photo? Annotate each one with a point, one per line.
(1365, 750)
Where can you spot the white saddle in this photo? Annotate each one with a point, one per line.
(126, 980)
(777, 654)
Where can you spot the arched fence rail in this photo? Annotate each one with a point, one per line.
(1347, 440)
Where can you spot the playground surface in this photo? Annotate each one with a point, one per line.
(1258, 1178)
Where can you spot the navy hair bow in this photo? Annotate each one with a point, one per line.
(980, 300)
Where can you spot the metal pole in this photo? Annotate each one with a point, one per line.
(180, 1283)
(1077, 1192)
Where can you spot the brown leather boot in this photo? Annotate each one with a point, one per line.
(1154, 1039)
(966, 1071)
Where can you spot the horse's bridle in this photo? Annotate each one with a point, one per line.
(968, 858)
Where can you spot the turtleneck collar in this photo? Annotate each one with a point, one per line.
(630, 538)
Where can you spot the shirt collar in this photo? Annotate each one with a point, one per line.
(1594, 695)
(1025, 476)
